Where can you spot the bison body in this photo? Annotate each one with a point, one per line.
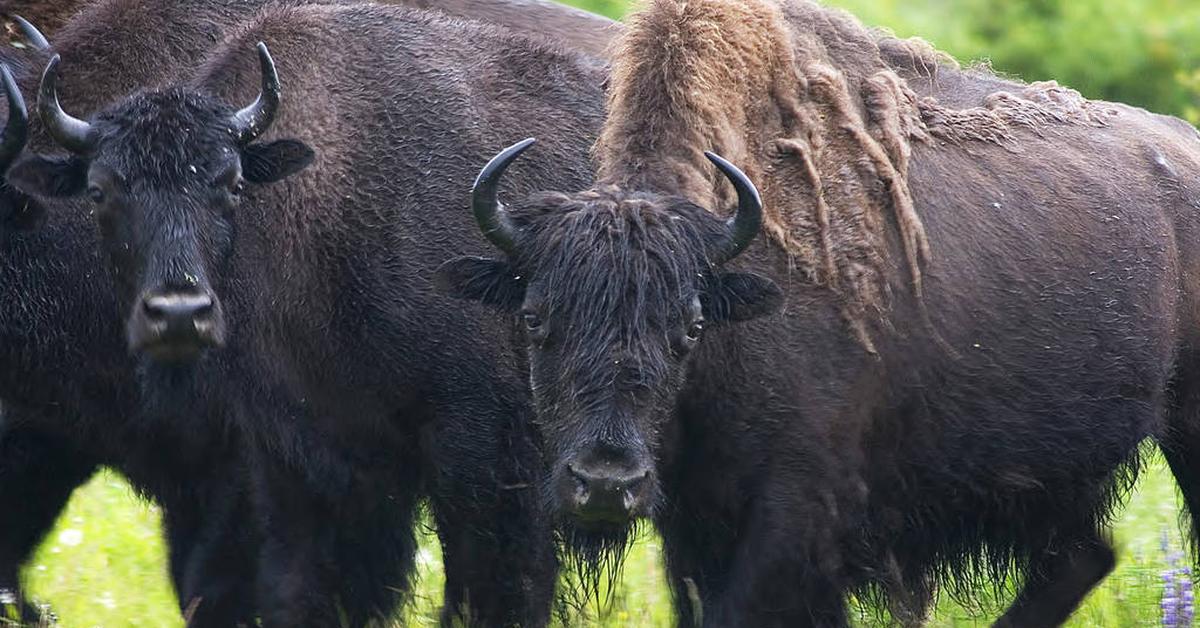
(361, 389)
(71, 403)
(935, 369)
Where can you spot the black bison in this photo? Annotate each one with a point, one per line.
(297, 302)
(974, 300)
(70, 403)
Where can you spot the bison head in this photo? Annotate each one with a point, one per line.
(165, 172)
(615, 292)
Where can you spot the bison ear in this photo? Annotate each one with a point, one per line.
(488, 281)
(54, 177)
(274, 161)
(738, 297)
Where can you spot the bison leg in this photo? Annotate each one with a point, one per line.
(780, 567)
(498, 549)
(339, 554)
(1180, 443)
(37, 475)
(210, 536)
(1059, 578)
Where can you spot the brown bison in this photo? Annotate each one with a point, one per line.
(974, 300)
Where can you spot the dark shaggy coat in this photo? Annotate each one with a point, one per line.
(70, 403)
(362, 390)
(990, 303)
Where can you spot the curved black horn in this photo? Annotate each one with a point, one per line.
(485, 201)
(30, 32)
(16, 130)
(254, 120)
(744, 225)
(71, 133)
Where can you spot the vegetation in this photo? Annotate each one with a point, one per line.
(104, 565)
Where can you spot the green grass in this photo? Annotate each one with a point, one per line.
(103, 566)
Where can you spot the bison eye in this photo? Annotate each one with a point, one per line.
(695, 331)
(533, 322)
(96, 194)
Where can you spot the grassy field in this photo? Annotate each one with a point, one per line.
(103, 566)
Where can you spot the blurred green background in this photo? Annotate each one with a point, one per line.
(104, 564)
(1140, 52)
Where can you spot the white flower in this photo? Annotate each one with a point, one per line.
(70, 537)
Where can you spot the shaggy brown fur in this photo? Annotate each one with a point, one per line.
(813, 106)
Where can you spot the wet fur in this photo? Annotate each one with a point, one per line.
(71, 401)
(982, 323)
(361, 391)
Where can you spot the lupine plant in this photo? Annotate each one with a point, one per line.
(1178, 608)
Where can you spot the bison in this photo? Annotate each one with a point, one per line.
(295, 301)
(974, 300)
(71, 400)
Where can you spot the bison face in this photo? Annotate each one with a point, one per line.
(165, 172)
(615, 294)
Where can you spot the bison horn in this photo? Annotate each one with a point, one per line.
(71, 133)
(30, 32)
(254, 120)
(485, 201)
(744, 225)
(16, 130)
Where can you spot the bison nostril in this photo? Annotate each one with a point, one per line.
(636, 481)
(152, 308)
(576, 473)
(203, 307)
(628, 500)
(582, 492)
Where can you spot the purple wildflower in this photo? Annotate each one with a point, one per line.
(1178, 600)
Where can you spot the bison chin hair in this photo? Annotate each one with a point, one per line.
(171, 390)
(593, 557)
(593, 560)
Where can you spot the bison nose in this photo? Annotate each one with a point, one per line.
(175, 326)
(178, 312)
(608, 495)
